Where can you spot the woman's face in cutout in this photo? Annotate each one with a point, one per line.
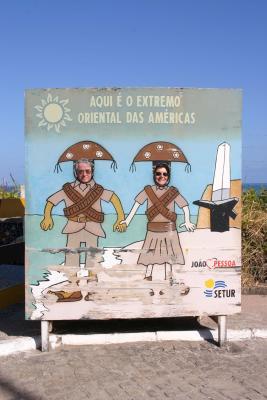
(161, 176)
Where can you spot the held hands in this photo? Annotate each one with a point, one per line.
(47, 223)
(189, 226)
(119, 226)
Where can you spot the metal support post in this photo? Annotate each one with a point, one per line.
(222, 329)
(45, 335)
(50, 326)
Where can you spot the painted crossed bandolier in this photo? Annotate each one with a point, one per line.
(159, 206)
(83, 205)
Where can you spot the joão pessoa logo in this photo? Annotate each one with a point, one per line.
(213, 263)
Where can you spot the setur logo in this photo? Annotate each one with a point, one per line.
(217, 289)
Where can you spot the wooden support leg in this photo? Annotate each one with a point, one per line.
(222, 329)
(45, 335)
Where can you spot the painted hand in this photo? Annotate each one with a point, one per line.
(189, 226)
(119, 226)
(47, 223)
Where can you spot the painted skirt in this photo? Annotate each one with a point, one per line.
(161, 247)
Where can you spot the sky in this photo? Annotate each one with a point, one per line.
(141, 43)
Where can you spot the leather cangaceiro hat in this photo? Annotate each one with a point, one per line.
(85, 150)
(160, 152)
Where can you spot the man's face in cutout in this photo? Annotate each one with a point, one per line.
(84, 172)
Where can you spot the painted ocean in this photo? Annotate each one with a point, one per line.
(256, 186)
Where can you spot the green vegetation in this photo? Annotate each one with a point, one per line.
(254, 237)
(9, 191)
(9, 194)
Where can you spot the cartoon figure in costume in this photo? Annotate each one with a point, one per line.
(82, 199)
(162, 244)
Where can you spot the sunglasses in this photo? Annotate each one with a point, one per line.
(161, 174)
(86, 171)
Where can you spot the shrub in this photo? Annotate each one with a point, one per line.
(254, 237)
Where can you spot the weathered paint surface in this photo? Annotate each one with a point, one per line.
(84, 262)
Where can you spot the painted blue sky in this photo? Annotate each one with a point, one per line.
(208, 44)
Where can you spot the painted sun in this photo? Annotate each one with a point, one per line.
(209, 283)
(53, 113)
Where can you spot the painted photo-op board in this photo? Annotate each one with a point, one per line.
(133, 203)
